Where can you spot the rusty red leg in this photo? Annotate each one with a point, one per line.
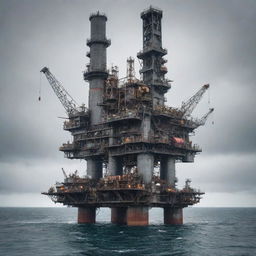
(137, 216)
(86, 215)
(173, 216)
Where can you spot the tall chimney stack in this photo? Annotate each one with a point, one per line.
(96, 74)
(96, 71)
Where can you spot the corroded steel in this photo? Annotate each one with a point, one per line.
(137, 216)
(173, 216)
(119, 215)
(86, 215)
(122, 191)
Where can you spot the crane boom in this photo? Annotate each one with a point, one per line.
(202, 121)
(64, 173)
(188, 107)
(65, 98)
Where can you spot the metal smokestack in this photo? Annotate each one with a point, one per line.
(96, 74)
(96, 71)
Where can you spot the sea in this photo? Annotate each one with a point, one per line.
(54, 231)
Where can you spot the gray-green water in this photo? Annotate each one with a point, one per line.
(53, 231)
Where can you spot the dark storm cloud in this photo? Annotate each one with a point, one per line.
(208, 42)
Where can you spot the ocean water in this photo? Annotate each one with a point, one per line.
(53, 231)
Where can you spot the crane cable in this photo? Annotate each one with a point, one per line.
(40, 87)
(209, 105)
(209, 98)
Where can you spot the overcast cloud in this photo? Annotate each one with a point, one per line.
(207, 41)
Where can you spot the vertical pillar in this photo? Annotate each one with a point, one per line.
(158, 98)
(167, 170)
(118, 215)
(94, 168)
(114, 163)
(137, 216)
(95, 100)
(145, 163)
(146, 127)
(114, 166)
(86, 215)
(173, 216)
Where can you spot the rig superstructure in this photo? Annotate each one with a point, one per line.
(128, 132)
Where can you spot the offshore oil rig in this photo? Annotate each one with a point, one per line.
(130, 139)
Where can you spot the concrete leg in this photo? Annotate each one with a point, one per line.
(167, 170)
(94, 168)
(173, 216)
(86, 215)
(114, 166)
(137, 216)
(145, 163)
(118, 215)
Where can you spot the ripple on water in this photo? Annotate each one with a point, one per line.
(55, 232)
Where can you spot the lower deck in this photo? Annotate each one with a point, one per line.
(128, 197)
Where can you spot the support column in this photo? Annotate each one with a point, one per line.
(137, 216)
(146, 127)
(114, 163)
(94, 168)
(145, 163)
(95, 100)
(118, 215)
(167, 170)
(86, 215)
(114, 166)
(173, 216)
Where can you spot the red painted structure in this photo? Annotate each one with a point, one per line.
(137, 216)
(86, 215)
(173, 216)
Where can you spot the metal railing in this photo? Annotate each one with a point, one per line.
(68, 147)
(123, 115)
(172, 112)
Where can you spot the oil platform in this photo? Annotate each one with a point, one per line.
(130, 139)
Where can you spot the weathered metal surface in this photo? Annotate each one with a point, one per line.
(86, 215)
(119, 215)
(137, 216)
(122, 190)
(173, 216)
(97, 73)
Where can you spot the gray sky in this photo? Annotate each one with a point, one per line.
(207, 41)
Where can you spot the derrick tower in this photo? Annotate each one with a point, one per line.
(152, 55)
(131, 134)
